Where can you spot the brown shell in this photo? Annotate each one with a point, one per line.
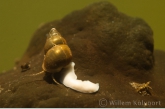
(57, 58)
(54, 38)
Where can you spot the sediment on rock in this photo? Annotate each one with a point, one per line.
(108, 47)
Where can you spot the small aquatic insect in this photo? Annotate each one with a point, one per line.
(58, 58)
(142, 89)
(25, 66)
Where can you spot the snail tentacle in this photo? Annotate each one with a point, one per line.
(36, 73)
(54, 79)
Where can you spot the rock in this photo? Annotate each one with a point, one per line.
(108, 47)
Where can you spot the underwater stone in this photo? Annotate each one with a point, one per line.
(103, 34)
(108, 47)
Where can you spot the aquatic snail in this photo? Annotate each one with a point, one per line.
(57, 53)
(57, 59)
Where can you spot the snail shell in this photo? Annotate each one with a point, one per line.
(57, 53)
(53, 39)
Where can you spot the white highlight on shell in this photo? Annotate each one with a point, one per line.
(69, 79)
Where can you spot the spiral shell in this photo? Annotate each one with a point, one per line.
(53, 39)
(57, 52)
